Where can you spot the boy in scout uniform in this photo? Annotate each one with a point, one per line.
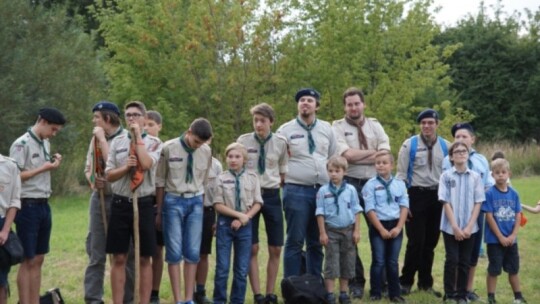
(267, 157)
(358, 140)
(106, 119)
(32, 153)
(420, 166)
(10, 202)
(181, 176)
(120, 165)
(311, 143)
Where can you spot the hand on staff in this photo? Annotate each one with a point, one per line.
(132, 161)
(99, 182)
(135, 129)
(99, 133)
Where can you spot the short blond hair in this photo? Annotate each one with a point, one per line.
(500, 164)
(337, 162)
(382, 153)
(239, 147)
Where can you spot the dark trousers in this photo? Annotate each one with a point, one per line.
(359, 279)
(457, 265)
(423, 230)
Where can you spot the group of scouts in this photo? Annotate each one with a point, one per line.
(327, 174)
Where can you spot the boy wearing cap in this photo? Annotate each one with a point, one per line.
(10, 185)
(311, 143)
(420, 166)
(181, 176)
(267, 157)
(358, 140)
(121, 162)
(32, 154)
(478, 163)
(106, 120)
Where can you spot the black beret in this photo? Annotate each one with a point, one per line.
(307, 92)
(106, 105)
(52, 115)
(461, 125)
(427, 113)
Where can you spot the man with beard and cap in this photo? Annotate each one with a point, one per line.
(358, 139)
(32, 152)
(311, 143)
(420, 166)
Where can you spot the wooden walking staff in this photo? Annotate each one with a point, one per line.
(137, 176)
(99, 170)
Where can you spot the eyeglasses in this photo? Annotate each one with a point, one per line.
(460, 152)
(133, 115)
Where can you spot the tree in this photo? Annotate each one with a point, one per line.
(47, 60)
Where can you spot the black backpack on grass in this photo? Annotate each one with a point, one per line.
(303, 289)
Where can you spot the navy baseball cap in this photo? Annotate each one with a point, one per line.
(52, 115)
(427, 113)
(462, 125)
(106, 106)
(307, 92)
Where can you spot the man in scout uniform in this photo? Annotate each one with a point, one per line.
(10, 202)
(267, 157)
(420, 166)
(359, 138)
(33, 155)
(311, 143)
(125, 160)
(106, 119)
(181, 177)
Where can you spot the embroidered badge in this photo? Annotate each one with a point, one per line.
(252, 150)
(228, 181)
(35, 155)
(327, 195)
(348, 133)
(295, 136)
(122, 150)
(176, 159)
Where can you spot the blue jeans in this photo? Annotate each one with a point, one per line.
(385, 255)
(182, 228)
(226, 238)
(299, 203)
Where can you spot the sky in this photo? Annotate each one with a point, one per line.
(454, 10)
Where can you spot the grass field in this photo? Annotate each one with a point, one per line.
(65, 264)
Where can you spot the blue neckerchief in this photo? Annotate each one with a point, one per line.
(387, 188)
(311, 142)
(337, 192)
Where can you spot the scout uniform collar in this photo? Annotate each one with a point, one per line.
(118, 131)
(41, 144)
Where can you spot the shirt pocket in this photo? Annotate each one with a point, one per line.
(200, 170)
(381, 197)
(177, 170)
(330, 207)
(5, 182)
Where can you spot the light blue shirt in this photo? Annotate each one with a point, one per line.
(479, 164)
(376, 198)
(349, 206)
(461, 191)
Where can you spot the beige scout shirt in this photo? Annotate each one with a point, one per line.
(276, 158)
(89, 167)
(10, 185)
(118, 155)
(211, 185)
(347, 137)
(304, 168)
(422, 175)
(30, 154)
(250, 192)
(172, 168)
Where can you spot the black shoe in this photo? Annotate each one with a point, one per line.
(330, 298)
(199, 297)
(374, 298)
(405, 289)
(398, 299)
(259, 299)
(356, 292)
(344, 299)
(472, 296)
(432, 291)
(271, 299)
